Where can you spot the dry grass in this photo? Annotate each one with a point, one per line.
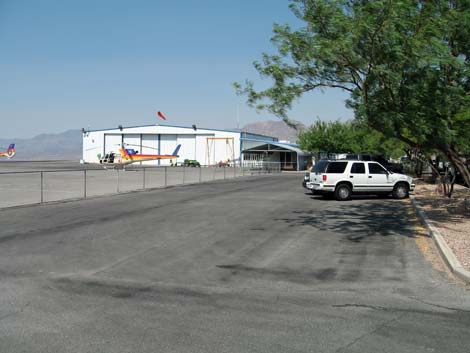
(450, 216)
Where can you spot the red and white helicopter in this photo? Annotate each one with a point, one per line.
(126, 156)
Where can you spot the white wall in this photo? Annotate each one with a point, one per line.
(112, 142)
(188, 147)
(93, 145)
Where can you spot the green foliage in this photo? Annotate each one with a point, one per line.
(461, 131)
(405, 63)
(348, 137)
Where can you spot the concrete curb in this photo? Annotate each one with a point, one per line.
(454, 265)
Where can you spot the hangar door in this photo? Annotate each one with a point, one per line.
(112, 142)
(150, 145)
(188, 147)
(132, 141)
(167, 146)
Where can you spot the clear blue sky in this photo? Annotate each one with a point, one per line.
(68, 64)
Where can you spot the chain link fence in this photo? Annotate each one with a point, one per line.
(33, 187)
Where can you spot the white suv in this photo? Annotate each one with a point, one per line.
(344, 178)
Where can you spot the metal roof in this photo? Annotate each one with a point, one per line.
(165, 125)
(181, 127)
(284, 146)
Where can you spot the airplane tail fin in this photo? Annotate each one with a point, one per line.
(175, 153)
(11, 151)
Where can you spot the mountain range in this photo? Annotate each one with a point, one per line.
(276, 128)
(68, 145)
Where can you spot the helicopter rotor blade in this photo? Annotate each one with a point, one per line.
(130, 144)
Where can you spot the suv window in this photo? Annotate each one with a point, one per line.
(375, 168)
(336, 167)
(319, 167)
(358, 168)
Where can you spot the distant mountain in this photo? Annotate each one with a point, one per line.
(277, 129)
(66, 145)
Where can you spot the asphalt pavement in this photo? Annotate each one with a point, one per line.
(246, 265)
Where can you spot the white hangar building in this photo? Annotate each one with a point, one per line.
(207, 146)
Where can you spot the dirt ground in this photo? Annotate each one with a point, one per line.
(450, 216)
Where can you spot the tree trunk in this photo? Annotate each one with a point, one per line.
(447, 191)
(457, 162)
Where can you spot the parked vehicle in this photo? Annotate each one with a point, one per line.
(306, 179)
(317, 167)
(345, 178)
(191, 163)
(394, 167)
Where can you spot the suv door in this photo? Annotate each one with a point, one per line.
(358, 176)
(335, 171)
(378, 178)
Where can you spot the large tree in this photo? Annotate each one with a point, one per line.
(405, 63)
(348, 137)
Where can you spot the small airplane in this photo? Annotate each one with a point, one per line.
(128, 156)
(9, 153)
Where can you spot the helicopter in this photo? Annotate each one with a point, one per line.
(127, 156)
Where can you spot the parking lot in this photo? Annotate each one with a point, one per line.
(244, 265)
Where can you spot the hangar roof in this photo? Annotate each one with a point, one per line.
(275, 147)
(165, 125)
(243, 133)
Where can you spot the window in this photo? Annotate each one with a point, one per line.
(358, 168)
(336, 167)
(319, 167)
(375, 168)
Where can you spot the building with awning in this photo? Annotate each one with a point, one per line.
(289, 155)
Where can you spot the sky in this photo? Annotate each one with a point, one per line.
(67, 64)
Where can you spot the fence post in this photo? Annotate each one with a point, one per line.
(243, 169)
(143, 178)
(234, 170)
(165, 176)
(84, 183)
(184, 172)
(200, 174)
(42, 187)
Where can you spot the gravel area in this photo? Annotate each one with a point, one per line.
(450, 216)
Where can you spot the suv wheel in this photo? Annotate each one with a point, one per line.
(343, 192)
(401, 191)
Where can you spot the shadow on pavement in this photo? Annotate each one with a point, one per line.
(358, 219)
